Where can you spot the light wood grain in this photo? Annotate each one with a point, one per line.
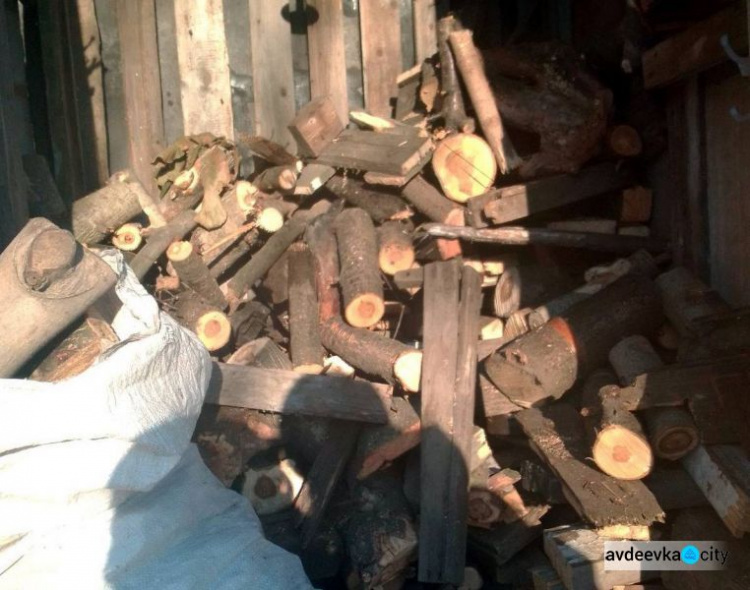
(325, 42)
(425, 29)
(380, 26)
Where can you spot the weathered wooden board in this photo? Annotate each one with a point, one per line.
(288, 392)
(556, 434)
(327, 54)
(171, 95)
(204, 67)
(380, 26)
(425, 29)
(142, 84)
(273, 76)
(697, 48)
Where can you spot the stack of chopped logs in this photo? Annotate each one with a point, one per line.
(406, 387)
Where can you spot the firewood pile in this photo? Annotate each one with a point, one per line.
(432, 362)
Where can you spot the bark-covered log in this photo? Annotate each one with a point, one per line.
(194, 273)
(374, 354)
(159, 240)
(321, 239)
(381, 205)
(453, 109)
(361, 288)
(307, 352)
(395, 248)
(545, 363)
(209, 323)
(278, 178)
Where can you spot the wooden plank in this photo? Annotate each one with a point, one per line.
(140, 53)
(236, 19)
(728, 183)
(697, 48)
(722, 472)
(380, 26)
(389, 153)
(315, 126)
(521, 200)
(288, 392)
(556, 434)
(444, 495)
(14, 211)
(273, 77)
(204, 67)
(425, 30)
(327, 54)
(171, 95)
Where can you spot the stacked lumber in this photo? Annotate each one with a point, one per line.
(404, 386)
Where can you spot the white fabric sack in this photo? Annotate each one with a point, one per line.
(100, 486)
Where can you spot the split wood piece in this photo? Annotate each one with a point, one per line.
(323, 477)
(316, 125)
(215, 174)
(361, 288)
(127, 237)
(556, 434)
(159, 240)
(374, 354)
(270, 151)
(49, 281)
(518, 201)
(395, 248)
(288, 392)
(194, 273)
(390, 153)
(95, 216)
(453, 109)
(77, 352)
(321, 240)
(368, 121)
(428, 200)
(380, 533)
(278, 178)
(465, 166)
(722, 473)
(380, 205)
(451, 316)
(624, 141)
(498, 546)
(491, 328)
(208, 322)
(470, 64)
(379, 446)
(521, 236)
(502, 483)
(313, 177)
(263, 353)
(271, 251)
(307, 352)
(577, 554)
(517, 324)
(672, 431)
(507, 296)
(545, 363)
(688, 300)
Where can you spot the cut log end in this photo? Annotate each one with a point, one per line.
(246, 194)
(393, 258)
(408, 370)
(622, 454)
(625, 142)
(672, 432)
(179, 251)
(270, 220)
(365, 310)
(465, 166)
(127, 238)
(214, 330)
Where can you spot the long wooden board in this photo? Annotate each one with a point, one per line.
(327, 55)
(557, 435)
(171, 94)
(380, 27)
(288, 392)
(139, 49)
(696, 49)
(204, 67)
(273, 77)
(425, 29)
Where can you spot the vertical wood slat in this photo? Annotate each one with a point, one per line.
(14, 209)
(273, 77)
(136, 21)
(425, 29)
(380, 25)
(171, 99)
(325, 39)
(204, 67)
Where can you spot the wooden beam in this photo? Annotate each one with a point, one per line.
(325, 46)
(380, 26)
(171, 94)
(521, 200)
(697, 48)
(556, 434)
(273, 78)
(288, 392)
(425, 30)
(204, 67)
(139, 49)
